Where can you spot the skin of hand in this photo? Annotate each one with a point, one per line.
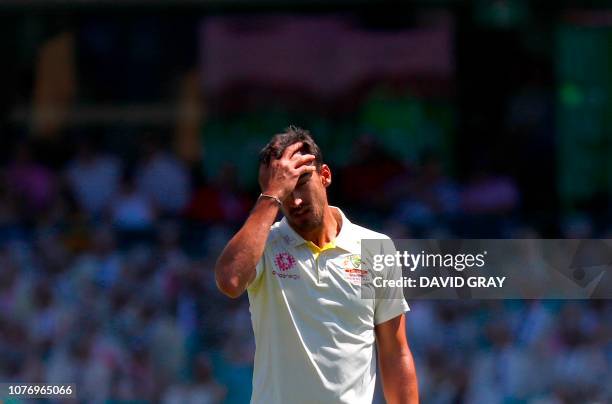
(280, 176)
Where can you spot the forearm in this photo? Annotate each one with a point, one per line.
(235, 268)
(399, 378)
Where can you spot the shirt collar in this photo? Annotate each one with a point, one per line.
(346, 240)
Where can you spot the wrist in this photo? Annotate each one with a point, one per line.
(278, 193)
(270, 197)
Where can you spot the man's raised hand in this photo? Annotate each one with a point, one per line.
(280, 176)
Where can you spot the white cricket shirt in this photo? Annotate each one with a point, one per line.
(314, 333)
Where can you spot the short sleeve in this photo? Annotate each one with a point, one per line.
(259, 269)
(390, 303)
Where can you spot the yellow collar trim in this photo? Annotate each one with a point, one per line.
(316, 250)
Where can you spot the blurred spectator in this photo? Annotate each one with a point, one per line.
(220, 202)
(428, 196)
(202, 390)
(363, 180)
(93, 178)
(487, 193)
(131, 210)
(504, 371)
(104, 257)
(33, 185)
(9, 215)
(577, 226)
(489, 203)
(163, 178)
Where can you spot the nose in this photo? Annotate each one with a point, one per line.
(295, 200)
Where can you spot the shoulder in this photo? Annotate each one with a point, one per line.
(277, 233)
(356, 231)
(372, 242)
(367, 234)
(275, 229)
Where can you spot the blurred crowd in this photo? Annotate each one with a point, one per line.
(106, 280)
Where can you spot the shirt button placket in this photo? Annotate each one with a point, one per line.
(321, 270)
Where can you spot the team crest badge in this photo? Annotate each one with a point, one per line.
(352, 270)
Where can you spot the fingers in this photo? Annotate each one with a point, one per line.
(290, 150)
(303, 159)
(305, 169)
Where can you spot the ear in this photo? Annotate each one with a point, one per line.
(326, 176)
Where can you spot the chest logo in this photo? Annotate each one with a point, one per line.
(353, 271)
(284, 261)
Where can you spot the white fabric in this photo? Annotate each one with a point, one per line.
(314, 333)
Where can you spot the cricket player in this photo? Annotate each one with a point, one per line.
(314, 333)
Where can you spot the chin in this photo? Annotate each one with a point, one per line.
(306, 223)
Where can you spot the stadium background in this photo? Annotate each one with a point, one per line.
(129, 141)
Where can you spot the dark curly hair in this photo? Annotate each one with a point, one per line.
(293, 134)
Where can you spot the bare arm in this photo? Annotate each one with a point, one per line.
(236, 267)
(396, 363)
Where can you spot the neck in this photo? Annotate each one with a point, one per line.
(329, 229)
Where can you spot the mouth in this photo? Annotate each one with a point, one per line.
(299, 212)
